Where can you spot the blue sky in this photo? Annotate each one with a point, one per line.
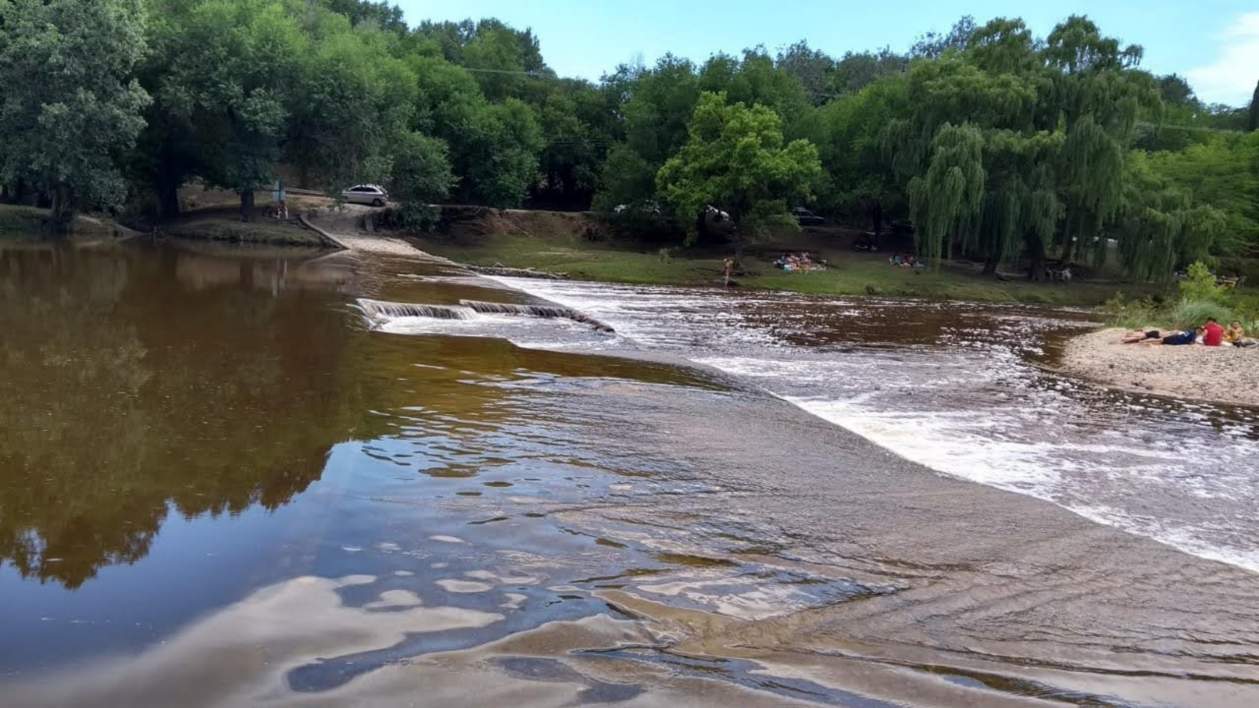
(1215, 43)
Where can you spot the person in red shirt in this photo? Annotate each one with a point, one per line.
(1212, 333)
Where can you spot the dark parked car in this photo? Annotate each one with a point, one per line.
(804, 217)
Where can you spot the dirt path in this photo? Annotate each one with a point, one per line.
(341, 227)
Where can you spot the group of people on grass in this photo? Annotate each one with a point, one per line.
(908, 260)
(798, 263)
(1211, 334)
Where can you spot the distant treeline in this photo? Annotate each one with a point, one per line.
(996, 144)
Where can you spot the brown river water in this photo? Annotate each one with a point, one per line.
(243, 477)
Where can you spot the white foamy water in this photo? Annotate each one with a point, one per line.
(948, 386)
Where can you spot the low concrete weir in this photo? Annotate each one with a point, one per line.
(379, 310)
(544, 311)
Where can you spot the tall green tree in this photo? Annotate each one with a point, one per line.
(1100, 94)
(1252, 123)
(494, 148)
(655, 105)
(71, 106)
(735, 159)
(233, 76)
(353, 102)
(420, 177)
(848, 132)
(811, 67)
(949, 197)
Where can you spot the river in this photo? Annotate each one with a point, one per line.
(232, 477)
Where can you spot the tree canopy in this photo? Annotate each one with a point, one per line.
(735, 160)
(72, 105)
(998, 145)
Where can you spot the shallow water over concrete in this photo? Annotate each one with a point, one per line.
(221, 484)
(954, 386)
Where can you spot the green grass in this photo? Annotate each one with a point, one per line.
(851, 273)
(227, 228)
(21, 221)
(27, 223)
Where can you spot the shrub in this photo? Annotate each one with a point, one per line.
(1132, 314)
(1200, 285)
(1193, 313)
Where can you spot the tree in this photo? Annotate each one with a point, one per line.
(1100, 94)
(71, 107)
(654, 106)
(848, 133)
(735, 159)
(1222, 172)
(421, 176)
(857, 70)
(232, 76)
(382, 14)
(948, 198)
(353, 104)
(1253, 121)
(811, 67)
(933, 45)
(577, 137)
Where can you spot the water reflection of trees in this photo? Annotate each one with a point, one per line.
(139, 383)
(124, 395)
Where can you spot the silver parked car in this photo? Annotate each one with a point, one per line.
(370, 194)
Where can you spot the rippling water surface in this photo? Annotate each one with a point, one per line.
(955, 387)
(222, 484)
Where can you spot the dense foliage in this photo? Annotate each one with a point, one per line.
(997, 145)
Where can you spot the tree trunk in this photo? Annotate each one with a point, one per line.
(247, 205)
(990, 265)
(876, 216)
(167, 200)
(62, 211)
(1068, 250)
(1036, 254)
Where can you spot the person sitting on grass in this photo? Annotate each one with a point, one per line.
(1136, 337)
(1212, 333)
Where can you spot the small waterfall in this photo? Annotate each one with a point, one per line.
(379, 309)
(545, 311)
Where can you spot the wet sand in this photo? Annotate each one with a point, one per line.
(1219, 374)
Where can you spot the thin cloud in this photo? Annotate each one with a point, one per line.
(1231, 77)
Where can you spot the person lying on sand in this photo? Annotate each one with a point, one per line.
(1187, 336)
(1135, 337)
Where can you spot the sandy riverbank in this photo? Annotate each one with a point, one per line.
(1223, 374)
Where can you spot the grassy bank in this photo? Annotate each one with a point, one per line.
(850, 272)
(29, 223)
(229, 228)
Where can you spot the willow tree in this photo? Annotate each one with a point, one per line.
(1099, 93)
(1252, 122)
(968, 150)
(948, 198)
(1021, 206)
(1160, 225)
